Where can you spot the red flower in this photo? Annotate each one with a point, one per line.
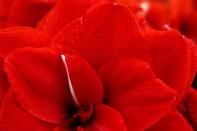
(102, 73)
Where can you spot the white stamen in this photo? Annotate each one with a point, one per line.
(69, 81)
(145, 6)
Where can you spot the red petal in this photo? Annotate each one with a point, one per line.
(190, 27)
(170, 59)
(129, 72)
(193, 51)
(106, 119)
(63, 13)
(174, 121)
(39, 80)
(86, 83)
(4, 85)
(29, 12)
(191, 106)
(157, 15)
(14, 117)
(132, 89)
(5, 6)
(102, 34)
(17, 37)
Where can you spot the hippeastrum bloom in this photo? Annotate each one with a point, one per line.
(57, 92)
(162, 48)
(102, 72)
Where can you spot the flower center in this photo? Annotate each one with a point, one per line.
(81, 115)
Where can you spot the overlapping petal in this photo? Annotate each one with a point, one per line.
(5, 6)
(132, 89)
(17, 37)
(172, 122)
(39, 80)
(104, 33)
(29, 12)
(13, 38)
(13, 117)
(63, 13)
(105, 119)
(171, 59)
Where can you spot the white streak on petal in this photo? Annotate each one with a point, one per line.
(69, 81)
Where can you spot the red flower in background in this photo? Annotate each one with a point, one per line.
(13, 38)
(178, 14)
(98, 70)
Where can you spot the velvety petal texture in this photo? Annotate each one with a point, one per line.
(39, 80)
(132, 89)
(104, 33)
(13, 114)
(63, 13)
(29, 12)
(17, 37)
(171, 59)
(13, 38)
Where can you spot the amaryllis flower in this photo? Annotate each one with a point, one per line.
(102, 72)
(24, 12)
